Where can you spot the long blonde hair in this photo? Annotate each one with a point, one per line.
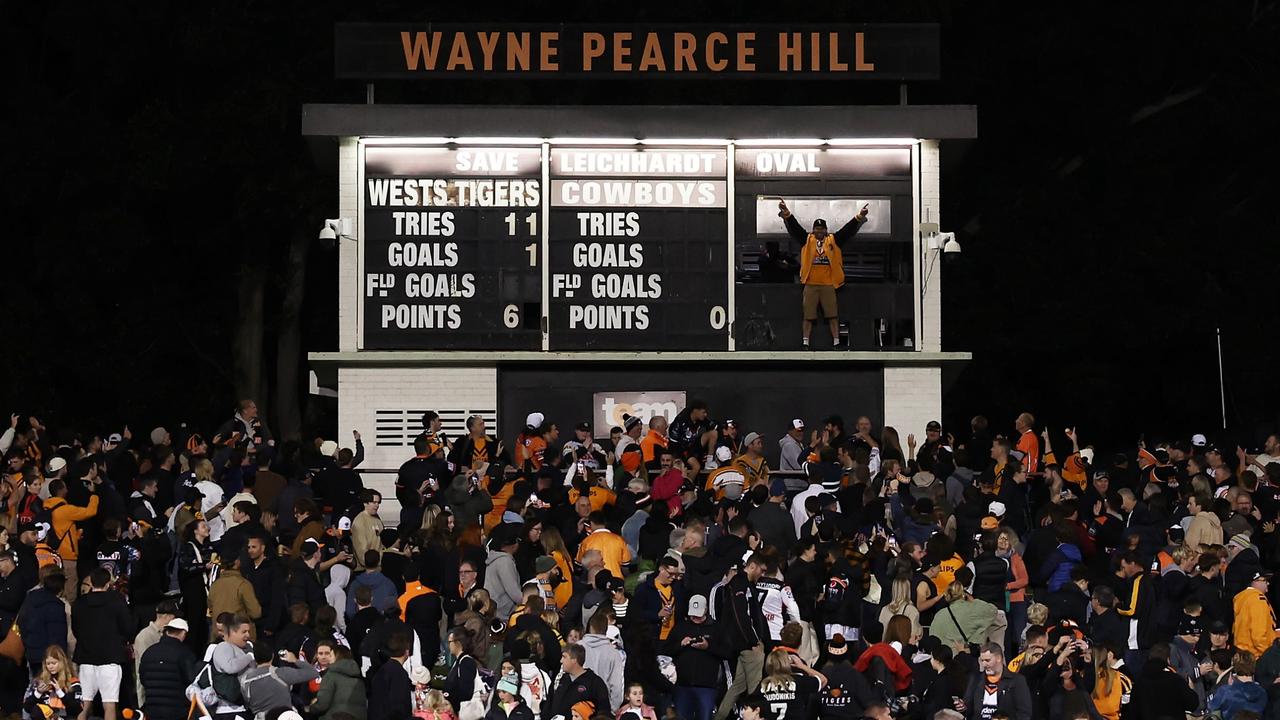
(203, 470)
(777, 672)
(65, 675)
(901, 596)
(1104, 673)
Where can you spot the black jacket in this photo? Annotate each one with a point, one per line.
(1013, 697)
(423, 614)
(775, 526)
(390, 698)
(587, 686)
(990, 575)
(1159, 693)
(695, 667)
(1068, 603)
(103, 628)
(1110, 628)
(165, 670)
(304, 585)
(742, 615)
(359, 626)
(11, 597)
(43, 622)
(269, 586)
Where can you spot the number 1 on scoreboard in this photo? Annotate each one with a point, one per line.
(531, 220)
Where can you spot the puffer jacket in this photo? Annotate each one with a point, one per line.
(43, 622)
(990, 576)
(1057, 567)
(165, 671)
(341, 691)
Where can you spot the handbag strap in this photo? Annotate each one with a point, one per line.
(957, 624)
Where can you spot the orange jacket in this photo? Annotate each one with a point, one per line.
(65, 516)
(1255, 625)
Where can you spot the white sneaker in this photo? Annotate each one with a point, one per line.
(709, 462)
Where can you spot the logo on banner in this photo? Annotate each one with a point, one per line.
(611, 406)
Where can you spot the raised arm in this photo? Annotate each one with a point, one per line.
(852, 227)
(794, 228)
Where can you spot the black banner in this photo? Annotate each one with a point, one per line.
(451, 245)
(472, 50)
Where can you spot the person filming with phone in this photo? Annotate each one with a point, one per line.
(821, 267)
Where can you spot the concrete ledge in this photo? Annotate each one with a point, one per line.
(408, 357)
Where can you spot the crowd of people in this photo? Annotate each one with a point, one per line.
(667, 571)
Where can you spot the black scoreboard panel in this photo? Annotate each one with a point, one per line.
(451, 245)
(638, 249)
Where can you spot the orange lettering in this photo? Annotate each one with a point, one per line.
(746, 52)
(547, 61)
(789, 57)
(592, 48)
(420, 48)
(621, 52)
(815, 52)
(460, 54)
(859, 59)
(834, 51)
(684, 52)
(488, 44)
(517, 51)
(714, 64)
(651, 57)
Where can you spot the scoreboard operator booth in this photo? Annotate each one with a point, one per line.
(583, 262)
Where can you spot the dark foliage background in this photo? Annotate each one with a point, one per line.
(1118, 207)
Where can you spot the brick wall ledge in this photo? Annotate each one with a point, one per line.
(456, 357)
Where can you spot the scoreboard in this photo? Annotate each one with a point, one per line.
(577, 245)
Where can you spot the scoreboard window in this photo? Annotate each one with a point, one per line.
(450, 245)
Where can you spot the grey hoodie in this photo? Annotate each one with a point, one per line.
(502, 580)
(604, 659)
(263, 692)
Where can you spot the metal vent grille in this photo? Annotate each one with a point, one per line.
(398, 428)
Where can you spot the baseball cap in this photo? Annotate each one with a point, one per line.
(544, 563)
(1199, 440)
(1087, 455)
(819, 222)
(797, 424)
(933, 425)
(329, 448)
(731, 423)
(534, 419)
(923, 479)
(56, 465)
(115, 438)
(309, 547)
(157, 435)
(827, 499)
(344, 523)
(1260, 575)
(177, 624)
(997, 508)
(27, 527)
(697, 606)
(1218, 626)
(750, 438)
(778, 487)
(583, 426)
(723, 454)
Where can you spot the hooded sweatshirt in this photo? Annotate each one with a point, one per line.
(502, 580)
(1205, 529)
(384, 591)
(336, 594)
(604, 660)
(535, 687)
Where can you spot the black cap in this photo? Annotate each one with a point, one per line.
(583, 426)
(933, 425)
(819, 222)
(1218, 626)
(1189, 625)
(827, 499)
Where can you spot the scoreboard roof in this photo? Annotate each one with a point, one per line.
(932, 122)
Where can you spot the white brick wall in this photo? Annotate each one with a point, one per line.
(361, 391)
(348, 255)
(912, 397)
(931, 211)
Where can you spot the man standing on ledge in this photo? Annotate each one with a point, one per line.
(821, 267)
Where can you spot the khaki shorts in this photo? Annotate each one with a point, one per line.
(823, 296)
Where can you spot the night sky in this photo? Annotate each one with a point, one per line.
(1117, 207)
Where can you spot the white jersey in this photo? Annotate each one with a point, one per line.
(777, 604)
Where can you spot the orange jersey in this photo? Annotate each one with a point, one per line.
(599, 497)
(532, 451)
(1029, 446)
(650, 445)
(613, 549)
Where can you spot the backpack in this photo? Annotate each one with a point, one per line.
(31, 509)
(475, 707)
(246, 685)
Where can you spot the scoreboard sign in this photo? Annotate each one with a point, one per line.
(574, 246)
(451, 244)
(633, 234)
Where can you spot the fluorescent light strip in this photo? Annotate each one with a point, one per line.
(685, 141)
(779, 142)
(593, 141)
(406, 140)
(872, 142)
(498, 141)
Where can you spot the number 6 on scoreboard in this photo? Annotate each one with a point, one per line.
(717, 317)
(511, 316)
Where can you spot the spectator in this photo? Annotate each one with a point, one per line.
(165, 670)
(54, 692)
(994, 686)
(103, 628)
(231, 593)
(577, 684)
